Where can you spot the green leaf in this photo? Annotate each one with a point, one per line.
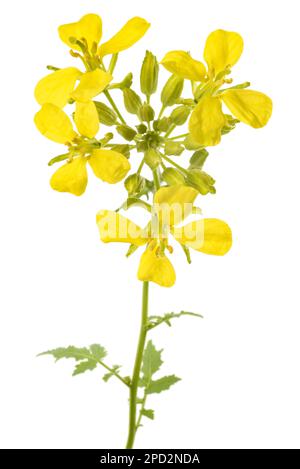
(84, 366)
(155, 321)
(162, 384)
(107, 376)
(151, 362)
(149, 413)
(88, 357)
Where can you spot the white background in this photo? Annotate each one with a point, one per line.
(59, 285)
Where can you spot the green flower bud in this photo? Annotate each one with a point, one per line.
(134, 184)
(198, 159)
(173, 148)
(191, 144)
(141, 128)
(146, 113)
(152, 158)
(180, 115)
(172, 90)
(149, 74)
(162, 125)
(121, 148)
(126, 83)
(126, 132)
(172, 176)
(201, 181)
(132, 101)
(106, 115)
(142, 146)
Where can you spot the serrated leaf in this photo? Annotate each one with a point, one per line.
(151, 362)
(84, 366)
(98, 351)
(107, 376)
(149, 413)
(88, 357)
(162, 384)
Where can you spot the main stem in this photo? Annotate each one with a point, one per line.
(137, 369)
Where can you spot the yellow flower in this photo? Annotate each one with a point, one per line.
(171, 206)
(222, 50)
(108, 165)
(60, 86)
(89, 27)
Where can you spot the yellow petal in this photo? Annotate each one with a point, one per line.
(113, 227)
(71, 177)
(173, 204)
(251, 107)
(86, 119)
(222, 49)
(54, 124)
(88, 27)
(91, 84)
(108, 165)
(210, 236)
(131, 32)
(182, 64)
(156, 268)
(57, 87)
(207, 121)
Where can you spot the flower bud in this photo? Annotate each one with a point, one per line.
(173, 148)
(162, 125)
(149, 74)
(106, 115)
(141, 128)
(198, 159)
(152, 158)
(124, 149)
(173, 177)
(134, 184)
(146, 113)
(180, 115)
(126, 132)
(172, 90)
(132, 101)
(191, 144)
(201, 181)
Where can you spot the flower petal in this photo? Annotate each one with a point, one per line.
(88, 27)
(207, 121)
(182, 64)
(210, 236)
(131, 32)
(91, 84)
(251, 107)
(86, 119)
(174, 203)
(156, 268)
(222, 49)
(54, 124)
(71, 177)
(109, 165)
(57, 87)
(113, 227)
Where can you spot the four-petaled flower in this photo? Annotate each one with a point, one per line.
(222, 50)
(171, 206)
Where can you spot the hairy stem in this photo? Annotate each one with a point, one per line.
(137, 369)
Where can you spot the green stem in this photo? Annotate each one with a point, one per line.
(113, 63)
(173, 126)
(174, 164)
(161, 112)
(178, 136)
(137, 368)
(143, 404)
(114, 106)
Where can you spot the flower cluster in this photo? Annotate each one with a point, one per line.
(173, 187)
